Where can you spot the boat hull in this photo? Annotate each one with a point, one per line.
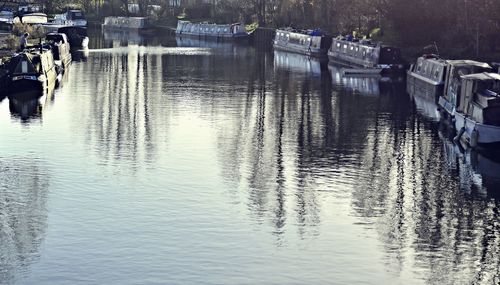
(34, 85)
(362, 67)
(25, 90)
(475, 133)
(418, 85)
(314, 52)
(215, 37)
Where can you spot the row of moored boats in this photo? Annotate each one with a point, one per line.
(468, 92)
(40, 68)
(359, 55)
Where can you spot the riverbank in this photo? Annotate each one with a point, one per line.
(3, 38)
(4, 51)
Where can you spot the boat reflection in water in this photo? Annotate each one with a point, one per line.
(80, 55)
(478, 171)
(114, 38)
(219, 47)
(364, 84)
(28, 105)
(426, 107)
(298, 63)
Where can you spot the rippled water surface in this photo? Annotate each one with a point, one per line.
(179, 162)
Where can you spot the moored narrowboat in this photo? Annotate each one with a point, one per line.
(450, 97)
(124, 23)
(61, 49)
(32, 70)
(308, 42)
(77, 36)
(365, 56)
(426, 77)
(31, 18)
(477, 113)
(74, 18)
(236, 31)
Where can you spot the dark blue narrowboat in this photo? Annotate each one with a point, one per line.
(365, 56)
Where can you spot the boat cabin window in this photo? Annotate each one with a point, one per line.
(437, 73)
(425, 68)
(23, 66)
(76, 15)
(419, 66)
(432, 69)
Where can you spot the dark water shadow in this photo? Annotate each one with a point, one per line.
(28, 106)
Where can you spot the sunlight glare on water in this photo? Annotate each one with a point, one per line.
(156, 163)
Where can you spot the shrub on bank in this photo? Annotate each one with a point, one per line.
(11, 42)
(35, 31)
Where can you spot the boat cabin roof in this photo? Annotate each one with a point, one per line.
(56, 37)
(362, 42)
(69, 30)
(468, 63)
(434, 60)
(32, 60)
(485, 76)
(310, 32)
(206, 23)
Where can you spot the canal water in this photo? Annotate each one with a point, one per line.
(178, 162)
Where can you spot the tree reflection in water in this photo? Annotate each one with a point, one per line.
(23, 214)
(289, 145)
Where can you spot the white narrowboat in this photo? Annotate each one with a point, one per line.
(307, 42)
(477, 115)
(236, 31)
